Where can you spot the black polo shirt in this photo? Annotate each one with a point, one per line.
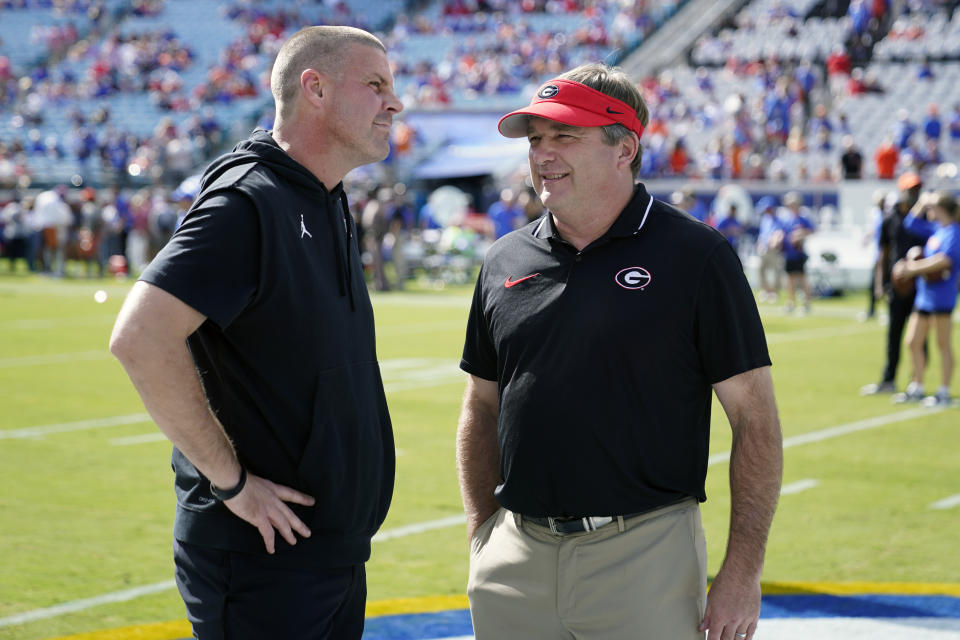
(604, 358)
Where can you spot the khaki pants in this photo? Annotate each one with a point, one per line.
(646, 581)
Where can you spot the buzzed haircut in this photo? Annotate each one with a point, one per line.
(321, 48)
(614, 82)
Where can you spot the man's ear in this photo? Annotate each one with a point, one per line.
(629, 147)
(312, 85)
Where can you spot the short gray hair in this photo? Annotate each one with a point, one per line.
(614, 82)
(321, 48)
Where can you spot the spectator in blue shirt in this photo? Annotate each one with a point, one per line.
(937, 271)
(796, 229)
(954, 126)
(506, 214)
(903, 129)
(931, 124)
(730, 227)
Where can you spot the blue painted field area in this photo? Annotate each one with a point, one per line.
(792, 611)
(784, 617)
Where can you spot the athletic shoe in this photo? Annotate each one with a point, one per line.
(877, 388)
(939, 399)
(910, 395)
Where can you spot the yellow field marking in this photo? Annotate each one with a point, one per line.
(427, 604)
(430, 604)
(156, 631)
(861, 588)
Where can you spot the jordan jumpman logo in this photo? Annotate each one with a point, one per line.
(303, 228)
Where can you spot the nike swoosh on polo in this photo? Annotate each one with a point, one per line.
(509, 283)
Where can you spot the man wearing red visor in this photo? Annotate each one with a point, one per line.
(596, 338)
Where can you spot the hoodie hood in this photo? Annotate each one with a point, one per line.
(261, 148)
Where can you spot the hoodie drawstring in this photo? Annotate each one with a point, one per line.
(344, 263)
(348, 223)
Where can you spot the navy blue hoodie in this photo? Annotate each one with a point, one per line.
(287, 354)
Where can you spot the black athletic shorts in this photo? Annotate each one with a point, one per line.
(795, 265)
(935, 312)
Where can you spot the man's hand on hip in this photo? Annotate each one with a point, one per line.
(263, 504)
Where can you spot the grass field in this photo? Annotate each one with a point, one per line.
(86, 500)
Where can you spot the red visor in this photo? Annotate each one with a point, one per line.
(574, 104)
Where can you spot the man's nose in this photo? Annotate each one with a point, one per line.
(392, 103)
(541, 153)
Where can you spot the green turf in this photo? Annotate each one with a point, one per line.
(81, 517)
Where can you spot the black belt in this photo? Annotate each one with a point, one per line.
(566, 526)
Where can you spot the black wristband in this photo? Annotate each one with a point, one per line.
(225, 494)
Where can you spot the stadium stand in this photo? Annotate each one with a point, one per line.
(773, 93)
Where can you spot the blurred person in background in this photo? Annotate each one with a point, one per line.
(895, 240)
(871, 240)
(54, 218)
(250, 339)
(15, 224)
(506, 213)
(582, 512)
(936, 270)
(796, 229)
(770, 249)
(886, 158)
(851, 161)
(730, 227)
(375, 220)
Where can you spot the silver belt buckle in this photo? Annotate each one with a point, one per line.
(595, 522)
(553, 525)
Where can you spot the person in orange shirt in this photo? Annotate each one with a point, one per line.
(886, 158)
(679, 158)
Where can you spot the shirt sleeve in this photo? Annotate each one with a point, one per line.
(212, 262)
(920, 227)
(479, 353)
(729, 331)
(951, 245)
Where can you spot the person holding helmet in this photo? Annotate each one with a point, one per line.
(597, 335)
(936, 269)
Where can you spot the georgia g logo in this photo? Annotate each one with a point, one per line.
(548, 91)
(633, 278)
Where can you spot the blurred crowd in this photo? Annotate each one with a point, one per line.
(789, 122)
(70, 232)
(787, 125)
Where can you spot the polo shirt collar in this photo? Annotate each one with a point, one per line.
(630, 221)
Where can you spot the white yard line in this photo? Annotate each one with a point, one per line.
(797, 487)
(86, 603)
(54, 358)
(420, 527)
(947, 503)
(820, 333)
(81, 425)
(31, 324)
(842, 430)
(141, 439)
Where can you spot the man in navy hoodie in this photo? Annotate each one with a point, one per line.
(250, 339)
